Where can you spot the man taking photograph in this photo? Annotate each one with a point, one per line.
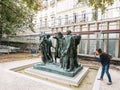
(104, 58)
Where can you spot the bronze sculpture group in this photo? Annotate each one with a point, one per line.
(45, 48)
(66, 49)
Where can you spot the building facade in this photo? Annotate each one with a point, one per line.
(97, 30)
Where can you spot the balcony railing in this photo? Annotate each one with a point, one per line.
(86, 17)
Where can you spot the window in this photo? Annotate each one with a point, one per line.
(77, 28)
(45, 21)
(74, 17)
(92, 44)
(52, 2)
(83, 44)
(100, 41)
(112, 25)
(66, 19)
(84, 28)
(52, 21)
(59, 20)
(112, 44)
(40, 22)
(45, 3)
(75, 2)
(94, 14)
(93, 27)
(102, 26)
(84, 18)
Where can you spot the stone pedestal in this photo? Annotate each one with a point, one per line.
(55, 68)
(57, 75)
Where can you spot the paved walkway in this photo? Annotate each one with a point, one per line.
(102, 85)
(10, 80)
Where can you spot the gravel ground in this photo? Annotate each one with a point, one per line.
(16, 57)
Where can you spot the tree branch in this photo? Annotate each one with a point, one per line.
(1, 3)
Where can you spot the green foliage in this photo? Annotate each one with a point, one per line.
(99, 4)
(33, 4)
(17, 15)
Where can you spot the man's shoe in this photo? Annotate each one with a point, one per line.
(100, 79)
(109, 83)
